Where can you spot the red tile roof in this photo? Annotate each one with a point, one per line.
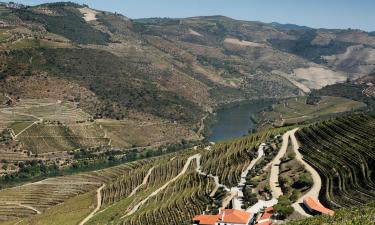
(267, 214)
(317, 206)
(235, 216)
(206, 219)
(226, 216)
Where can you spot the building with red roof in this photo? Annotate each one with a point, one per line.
(313, 205)
(265, 218)
(225, 217)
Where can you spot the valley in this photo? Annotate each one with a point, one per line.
(106, 119)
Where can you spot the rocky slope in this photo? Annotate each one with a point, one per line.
(175, 69)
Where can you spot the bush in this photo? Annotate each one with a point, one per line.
(303, 181)
(284, 207)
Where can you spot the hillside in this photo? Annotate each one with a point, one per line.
(363, 215)
(103, 117)
(178, 66)
(205, 178)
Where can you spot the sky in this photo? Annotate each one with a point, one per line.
(356, 14)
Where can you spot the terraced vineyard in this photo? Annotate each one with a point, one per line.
(42, 138)
(162, 190)
(343, 151)
(168, 207)
(228, 159)
(360, 215)
(34, 198)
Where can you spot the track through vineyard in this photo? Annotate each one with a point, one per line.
(317, 181)
(343, 152)
(184, 169)
(98, 205)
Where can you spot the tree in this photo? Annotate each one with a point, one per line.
(303, 181)
(284, 207)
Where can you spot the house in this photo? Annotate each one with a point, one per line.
(314, 206)
(265, 218)
(225, 217)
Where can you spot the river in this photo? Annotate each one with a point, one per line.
(235, 120)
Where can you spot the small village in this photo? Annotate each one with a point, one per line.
(266, 216)
(234, 211)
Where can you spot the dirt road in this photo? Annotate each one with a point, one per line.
(237, 201)
(183, 171)
(98, 205)
(145, 180)
(275, 166)
(314, 191)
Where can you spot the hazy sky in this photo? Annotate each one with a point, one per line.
(314, 13)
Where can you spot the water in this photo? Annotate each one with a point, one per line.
(235, 121)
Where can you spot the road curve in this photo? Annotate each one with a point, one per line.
(183, 171)
(274, 178)
(144, 182)
(275, 166)
(237, 201)
(30, 207)
(315, 189)
(98, 205)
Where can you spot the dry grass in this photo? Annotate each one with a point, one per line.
(317, 77)
(89, 14)
(127, 133)
(242, 43)
(296, 110)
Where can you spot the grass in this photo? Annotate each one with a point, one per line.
(34, 43)
(359, 215)
(19, 126)
(50, 193)
(129, 132)
(43, 138)
(296, 110)
(70, 212)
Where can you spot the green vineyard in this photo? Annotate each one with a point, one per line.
(161, 190)
(44, 138)
(228, 159)
(173, 188)
(360, 215)
(343, 152)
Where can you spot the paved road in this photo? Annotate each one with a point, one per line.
(98, 205)
(314, 191)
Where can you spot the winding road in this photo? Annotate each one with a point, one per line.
(98, 205)
(144, 182)
(236, 192)
(275, 166)
(237, 201)
(315, 189)
(183, 171)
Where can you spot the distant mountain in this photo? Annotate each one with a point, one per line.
(289, 26)
(174, 69)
